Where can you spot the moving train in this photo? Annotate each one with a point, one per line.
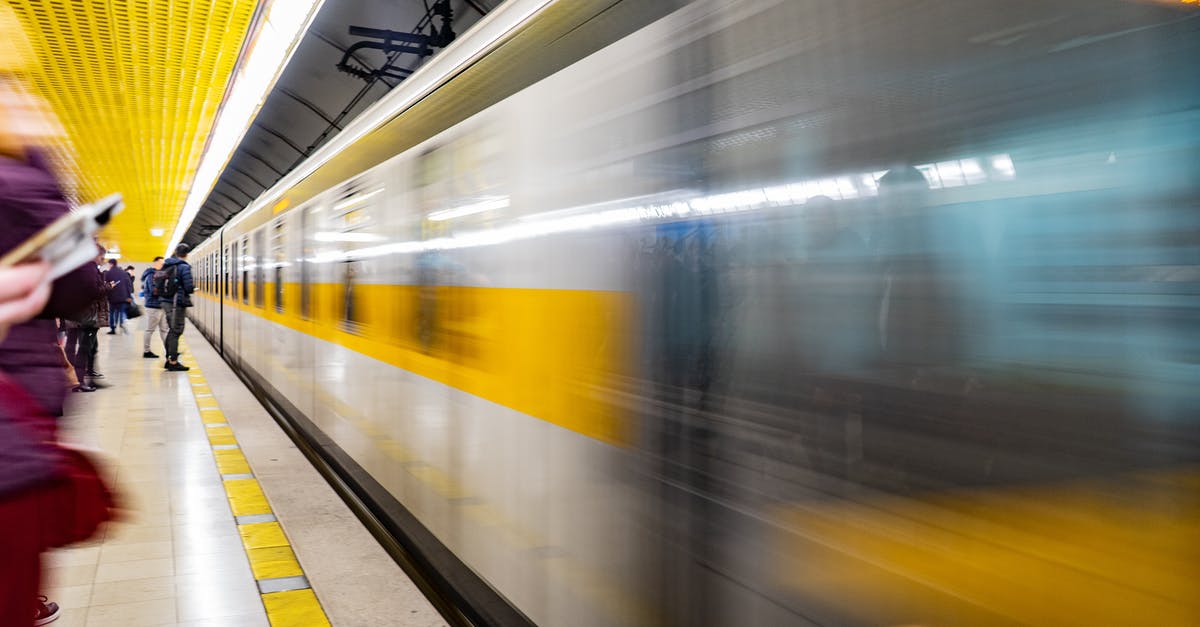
(757, 312)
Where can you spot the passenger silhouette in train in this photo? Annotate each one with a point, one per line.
(834, 300)
(920, 319)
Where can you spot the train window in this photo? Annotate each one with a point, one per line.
(230, 252)
(277, 262)
(305, 253)
(243, 265)
(351, 308)
(260, 270)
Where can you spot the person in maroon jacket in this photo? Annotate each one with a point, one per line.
(31, 368)
(29, 201)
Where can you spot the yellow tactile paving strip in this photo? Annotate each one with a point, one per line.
(267, 547)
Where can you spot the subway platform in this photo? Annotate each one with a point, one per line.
(226, 522)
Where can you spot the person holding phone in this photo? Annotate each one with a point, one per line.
(33, 384)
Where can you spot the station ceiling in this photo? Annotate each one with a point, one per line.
(314, 99)
(136, 85)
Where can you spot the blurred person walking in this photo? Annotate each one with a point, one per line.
(155, 317)
(174, 285)
(23, 294)
(41, 484)
(120, 294)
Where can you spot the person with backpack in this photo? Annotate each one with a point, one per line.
(155, 318)
(174, 285)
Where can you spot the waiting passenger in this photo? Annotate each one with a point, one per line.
(120, 294)
(155, 318)
(87, 323)
(175, 288)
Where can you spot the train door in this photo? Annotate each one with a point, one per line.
(298, 249)
(223, 292)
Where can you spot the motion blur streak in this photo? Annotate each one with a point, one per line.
(767, 312)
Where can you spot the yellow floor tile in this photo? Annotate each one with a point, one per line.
(246, 497)
(262, 535)
(294, 608)
(274, 561)
(231, 462)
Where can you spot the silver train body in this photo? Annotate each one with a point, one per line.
(764, 311)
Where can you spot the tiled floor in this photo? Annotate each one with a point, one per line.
(177, 558)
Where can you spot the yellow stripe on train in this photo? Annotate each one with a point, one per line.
(552, 354)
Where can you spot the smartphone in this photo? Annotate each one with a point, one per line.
(68, 242)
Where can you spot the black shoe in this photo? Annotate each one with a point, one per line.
(177, 367)
(46, 611)
(111, 333)
(83, 387)
(149, 355)
(98, 385)
(95, 375)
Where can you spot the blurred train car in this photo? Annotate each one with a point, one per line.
(761, 312)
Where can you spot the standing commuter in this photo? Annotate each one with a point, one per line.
(175, 287)
(88, 321)
(155, 318)
(120, 294)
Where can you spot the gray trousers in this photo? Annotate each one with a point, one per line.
(176, 318)
(155, 319)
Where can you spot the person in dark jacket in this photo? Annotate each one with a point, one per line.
(120, 294)
(175, 307)
(155, 319)
(87, 323)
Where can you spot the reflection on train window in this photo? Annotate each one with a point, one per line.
(351, 308)
(228, 272)
(260, 270)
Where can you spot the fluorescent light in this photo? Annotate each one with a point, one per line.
(329, 236)
(268, 53)
(490, 204)
(355, 200)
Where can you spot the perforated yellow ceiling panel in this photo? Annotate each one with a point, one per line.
(137, 84)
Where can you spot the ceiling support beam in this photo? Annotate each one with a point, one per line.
(283, 138)
(249, 176)
(308, 104)
(239, 189)
(256, 157)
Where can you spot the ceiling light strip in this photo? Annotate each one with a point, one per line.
(266, 56)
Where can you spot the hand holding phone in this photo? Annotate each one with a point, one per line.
(67, 243)
(23, 292)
